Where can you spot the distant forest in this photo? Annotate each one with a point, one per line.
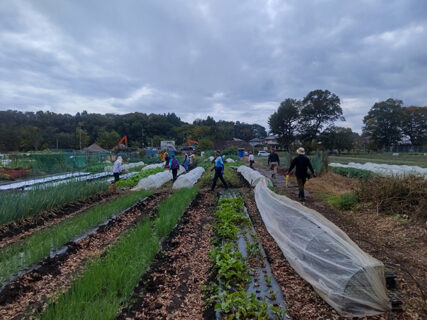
(23, 131)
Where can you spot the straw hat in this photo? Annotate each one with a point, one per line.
(301, 151)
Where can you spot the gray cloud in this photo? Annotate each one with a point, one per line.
(233, 60)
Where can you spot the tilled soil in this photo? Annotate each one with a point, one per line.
(171, 289)
(20, 229)
(30, 292)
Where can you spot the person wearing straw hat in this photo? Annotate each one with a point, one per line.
(301, 163)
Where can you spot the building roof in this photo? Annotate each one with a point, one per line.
(94, 148)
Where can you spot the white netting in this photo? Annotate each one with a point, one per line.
(126, 166)
(153, 166)
(156, 180)
(385, 169)
(349, 279)
(252, 176)
(230, 160)
(189, 179)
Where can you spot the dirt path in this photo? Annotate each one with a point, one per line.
(30, 292)
(18, 230)
(172, 287)
(401, 246)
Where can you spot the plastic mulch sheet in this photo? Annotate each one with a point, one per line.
(189, 179)
(126, 166)
(346, 277)
(156, 180)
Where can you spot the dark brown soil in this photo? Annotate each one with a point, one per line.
(24, 227)
(172, 287)
(31, 291)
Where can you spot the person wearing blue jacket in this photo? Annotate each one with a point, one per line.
(219, 171)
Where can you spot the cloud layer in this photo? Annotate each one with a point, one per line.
(233, 60)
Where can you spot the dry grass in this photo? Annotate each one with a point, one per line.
(331, 182)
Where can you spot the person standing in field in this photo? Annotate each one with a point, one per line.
(301, 163)
(273, 162)
(251, 160)
(186, 160)
(219, 171)
(117, 168)
(174, 166)
(167, 159)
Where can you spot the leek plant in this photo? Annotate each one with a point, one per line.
(16, 205)
(108, 281)
(32, 249)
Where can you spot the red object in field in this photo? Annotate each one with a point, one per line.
(12, 174)
(190, 142)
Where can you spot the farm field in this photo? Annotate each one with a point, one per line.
(184, 254)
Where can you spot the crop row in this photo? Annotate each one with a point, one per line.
(108, 281)
(16, 205)
(232, 269)
(25, 252)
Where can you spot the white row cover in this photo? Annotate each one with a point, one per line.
(385, 169)
(230, 160)
(346, 277)
(21, 184)
(126, 166)
(189, 179)
(252, 176)
(153, 166)
(156, 180)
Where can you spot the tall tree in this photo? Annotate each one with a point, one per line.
(338, 138)
(319, 108)
(284, 121)
(414, 124)
(383, 121)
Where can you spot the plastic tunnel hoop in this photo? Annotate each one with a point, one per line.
(189, 179)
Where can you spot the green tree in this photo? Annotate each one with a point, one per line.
(205, 144)
(284, 122)
(338, 138)
(31, 138)
(383, 121)
(81, 138)
(414, 124)
(319, 108)
(108, 139)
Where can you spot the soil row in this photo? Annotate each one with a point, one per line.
(171, 289)
(30, 292)
(20, 229)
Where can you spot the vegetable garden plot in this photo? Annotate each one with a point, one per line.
(57, 272)
(347, 278)
(246, 286)
(157, 180)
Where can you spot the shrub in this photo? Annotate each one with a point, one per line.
(395, 196)
(345, 201)
(352, 172)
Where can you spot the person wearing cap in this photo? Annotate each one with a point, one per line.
(117, 168)
(273, 162)
(301, 163)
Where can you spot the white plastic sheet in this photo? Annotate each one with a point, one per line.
(153, 166)
(346, 277)
(385, 169)
(189, 179)
(252, 176)
(156, 180)
(230, 160)
(126, 166)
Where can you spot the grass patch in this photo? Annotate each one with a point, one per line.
(108, 281)
(345, 201)
(30, 250)
(410, 159)
(16, 205)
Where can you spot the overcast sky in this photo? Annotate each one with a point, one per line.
(233, 60)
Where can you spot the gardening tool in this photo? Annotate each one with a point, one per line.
(287, 181)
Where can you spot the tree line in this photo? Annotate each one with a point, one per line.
(23, 131)
(311, 122)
